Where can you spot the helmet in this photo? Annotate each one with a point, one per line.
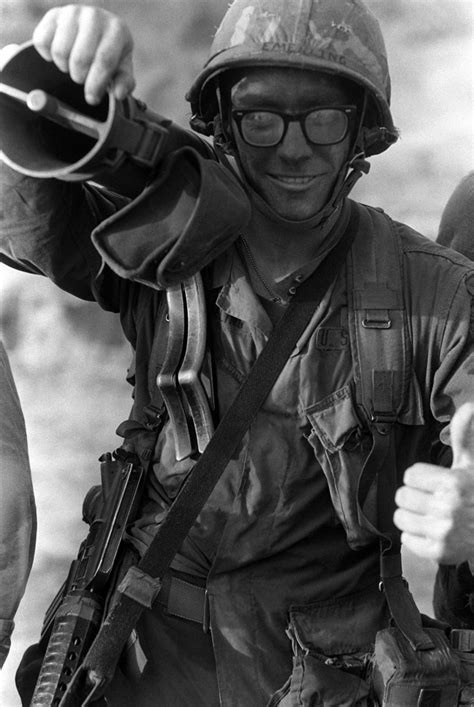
(340, 37)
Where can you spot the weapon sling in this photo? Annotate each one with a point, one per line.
(142, 583)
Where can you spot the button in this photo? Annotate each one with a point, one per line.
(299, 278)
(292, 291)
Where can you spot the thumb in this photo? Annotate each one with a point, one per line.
(462, 437)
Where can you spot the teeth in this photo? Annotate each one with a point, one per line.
(295, 180)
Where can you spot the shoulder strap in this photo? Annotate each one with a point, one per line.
(378, 323)
(382, 359)
(142, 583)
(381, 348)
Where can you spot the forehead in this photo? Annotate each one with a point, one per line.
(287, 87)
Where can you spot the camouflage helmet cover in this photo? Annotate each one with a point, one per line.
(341, 37)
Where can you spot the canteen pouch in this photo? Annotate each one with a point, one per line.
(462, 641)
(333, 644)
(422, 678)
(466, 660)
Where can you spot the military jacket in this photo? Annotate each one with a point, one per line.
(281, 528)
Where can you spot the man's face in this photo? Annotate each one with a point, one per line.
(295, 177)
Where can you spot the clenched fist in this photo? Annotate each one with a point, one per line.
(92, 45)
(436, 505)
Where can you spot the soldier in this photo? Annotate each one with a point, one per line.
(436, 512)
(456, 228)
(296, 96)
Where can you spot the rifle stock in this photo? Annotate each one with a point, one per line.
(75, 615)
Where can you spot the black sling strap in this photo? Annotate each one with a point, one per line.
(142, 583)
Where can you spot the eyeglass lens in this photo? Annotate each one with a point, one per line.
(321, 127)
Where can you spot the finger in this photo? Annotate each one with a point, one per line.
(430, 526)
(409, 522)
(86, 42)
(124, 82)
(425, 477)
(422, 546)
(44, 32)
(112, 58)
(65, 36)
(462, 437)
(412, 499)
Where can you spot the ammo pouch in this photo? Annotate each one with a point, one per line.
(462, 641)
(404, 676)
(347, 653)
(333, 644)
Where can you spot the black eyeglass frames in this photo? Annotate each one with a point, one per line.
(325, 125)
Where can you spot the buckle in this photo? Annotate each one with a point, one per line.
(383, 417)
(462, 640)
(140, 587)
(376, 323)
(382, 421)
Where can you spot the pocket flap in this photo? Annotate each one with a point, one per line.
(334, 419)
(340, 626)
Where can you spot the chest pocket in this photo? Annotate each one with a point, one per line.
(341, 445)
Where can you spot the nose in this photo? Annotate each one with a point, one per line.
(294, 145)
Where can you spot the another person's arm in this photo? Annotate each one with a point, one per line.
(436, 517)
(436, 506)
(17, 505)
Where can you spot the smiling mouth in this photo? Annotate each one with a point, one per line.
(290, 180)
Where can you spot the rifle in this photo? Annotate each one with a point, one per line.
(75, 614)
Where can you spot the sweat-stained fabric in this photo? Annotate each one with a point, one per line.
(269, 537)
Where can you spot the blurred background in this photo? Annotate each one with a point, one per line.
(69, 358)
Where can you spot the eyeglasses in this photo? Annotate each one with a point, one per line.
(320, 126)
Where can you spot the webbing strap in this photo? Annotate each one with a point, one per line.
(382, 362)
(99, 664)
(399, 598)
(379, 331)
(379, 337)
